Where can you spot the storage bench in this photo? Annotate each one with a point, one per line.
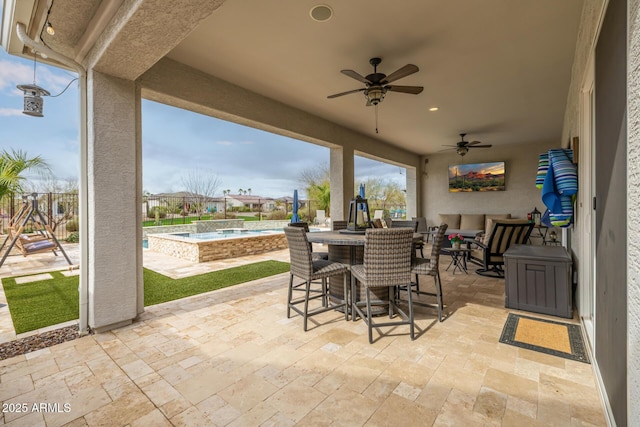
(538, 279)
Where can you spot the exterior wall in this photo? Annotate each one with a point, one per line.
(633, 202)
(519, 198)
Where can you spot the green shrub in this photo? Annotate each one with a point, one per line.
(152, 212)
(73, 237)
(72, 225)
(277, 215)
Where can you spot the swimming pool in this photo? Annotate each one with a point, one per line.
(220, 244)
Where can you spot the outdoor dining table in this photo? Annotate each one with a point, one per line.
(348, 248)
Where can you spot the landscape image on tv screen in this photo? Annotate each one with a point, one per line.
(476, 177)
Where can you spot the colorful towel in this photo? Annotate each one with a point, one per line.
(564, 170)
(543, 166)
(559, 188)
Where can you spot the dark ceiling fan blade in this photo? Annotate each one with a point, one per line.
(405, 89)
(345, 93)
(356, 76)
(479, 146)
(402, 72)
(448, 145)
(474, 142)
(447, 149)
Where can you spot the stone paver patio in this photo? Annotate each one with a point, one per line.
(231, 357)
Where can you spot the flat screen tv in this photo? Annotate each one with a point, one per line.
(476, 177)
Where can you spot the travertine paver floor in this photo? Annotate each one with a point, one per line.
(231, 357)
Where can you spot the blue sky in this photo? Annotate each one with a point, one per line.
(174, 141)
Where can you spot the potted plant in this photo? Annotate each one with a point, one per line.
(455, 240)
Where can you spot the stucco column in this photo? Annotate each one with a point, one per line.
(633, 205)
(113, 181)
(411, 186)
(341, 177)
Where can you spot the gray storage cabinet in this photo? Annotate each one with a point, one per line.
(538, 279)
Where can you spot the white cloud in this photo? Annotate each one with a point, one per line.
(10, 112)
(224, 142)
(18, 71)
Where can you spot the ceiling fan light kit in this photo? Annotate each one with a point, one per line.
(462, 147)
(376, 85)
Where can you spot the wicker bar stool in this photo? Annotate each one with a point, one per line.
(315, 255)
(430, 267)
(387, 263)
(304, 267)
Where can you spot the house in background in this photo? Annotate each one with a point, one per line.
(523, 76)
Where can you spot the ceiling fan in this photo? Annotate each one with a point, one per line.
(462, 146)
(377, 84)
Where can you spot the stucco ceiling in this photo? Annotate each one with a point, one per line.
(498, 70)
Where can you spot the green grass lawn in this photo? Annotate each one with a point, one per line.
(44, 303)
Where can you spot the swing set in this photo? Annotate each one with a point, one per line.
(40, 237)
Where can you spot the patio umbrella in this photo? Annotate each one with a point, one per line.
(362, 195)
(294, 215)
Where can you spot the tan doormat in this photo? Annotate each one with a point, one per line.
(546, 336)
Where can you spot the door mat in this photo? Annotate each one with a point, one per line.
(546, 336)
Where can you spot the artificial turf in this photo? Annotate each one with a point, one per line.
(48, 302)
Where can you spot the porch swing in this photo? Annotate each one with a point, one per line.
(39, 239)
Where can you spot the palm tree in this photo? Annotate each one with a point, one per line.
(12, 165)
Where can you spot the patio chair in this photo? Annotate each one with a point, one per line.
(430, 267)
(489, 253)
(304, 267)
(321, 218)
(305, 226)
(413, 224)
(338, 225)
(387, 263)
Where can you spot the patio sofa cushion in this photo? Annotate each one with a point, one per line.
(452, 220)
(471, 222)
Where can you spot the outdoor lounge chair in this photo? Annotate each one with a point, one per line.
(489, 253)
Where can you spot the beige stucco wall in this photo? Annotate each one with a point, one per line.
(633, 202)
(520, 196)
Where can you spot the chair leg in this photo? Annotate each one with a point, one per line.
(438, 284)
(306, 305)
(417, 284)
(354, 299)
(411, 323)
(325, 292)
(346, 297)
(370, 327)
(290, 296)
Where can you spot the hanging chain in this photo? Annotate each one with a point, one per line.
(376, 109)
(34, 67)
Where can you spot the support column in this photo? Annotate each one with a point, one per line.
(341, 178)
(113, 181)
(411, 193)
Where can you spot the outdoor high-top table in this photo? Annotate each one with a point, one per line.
(348, 248)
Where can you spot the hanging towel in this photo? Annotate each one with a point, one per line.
(559, 188)
(564, 170)
(543, 166)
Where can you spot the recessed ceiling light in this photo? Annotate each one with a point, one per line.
(321, 13)
(434, 109)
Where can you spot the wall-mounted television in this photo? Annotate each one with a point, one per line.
(476, 177)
